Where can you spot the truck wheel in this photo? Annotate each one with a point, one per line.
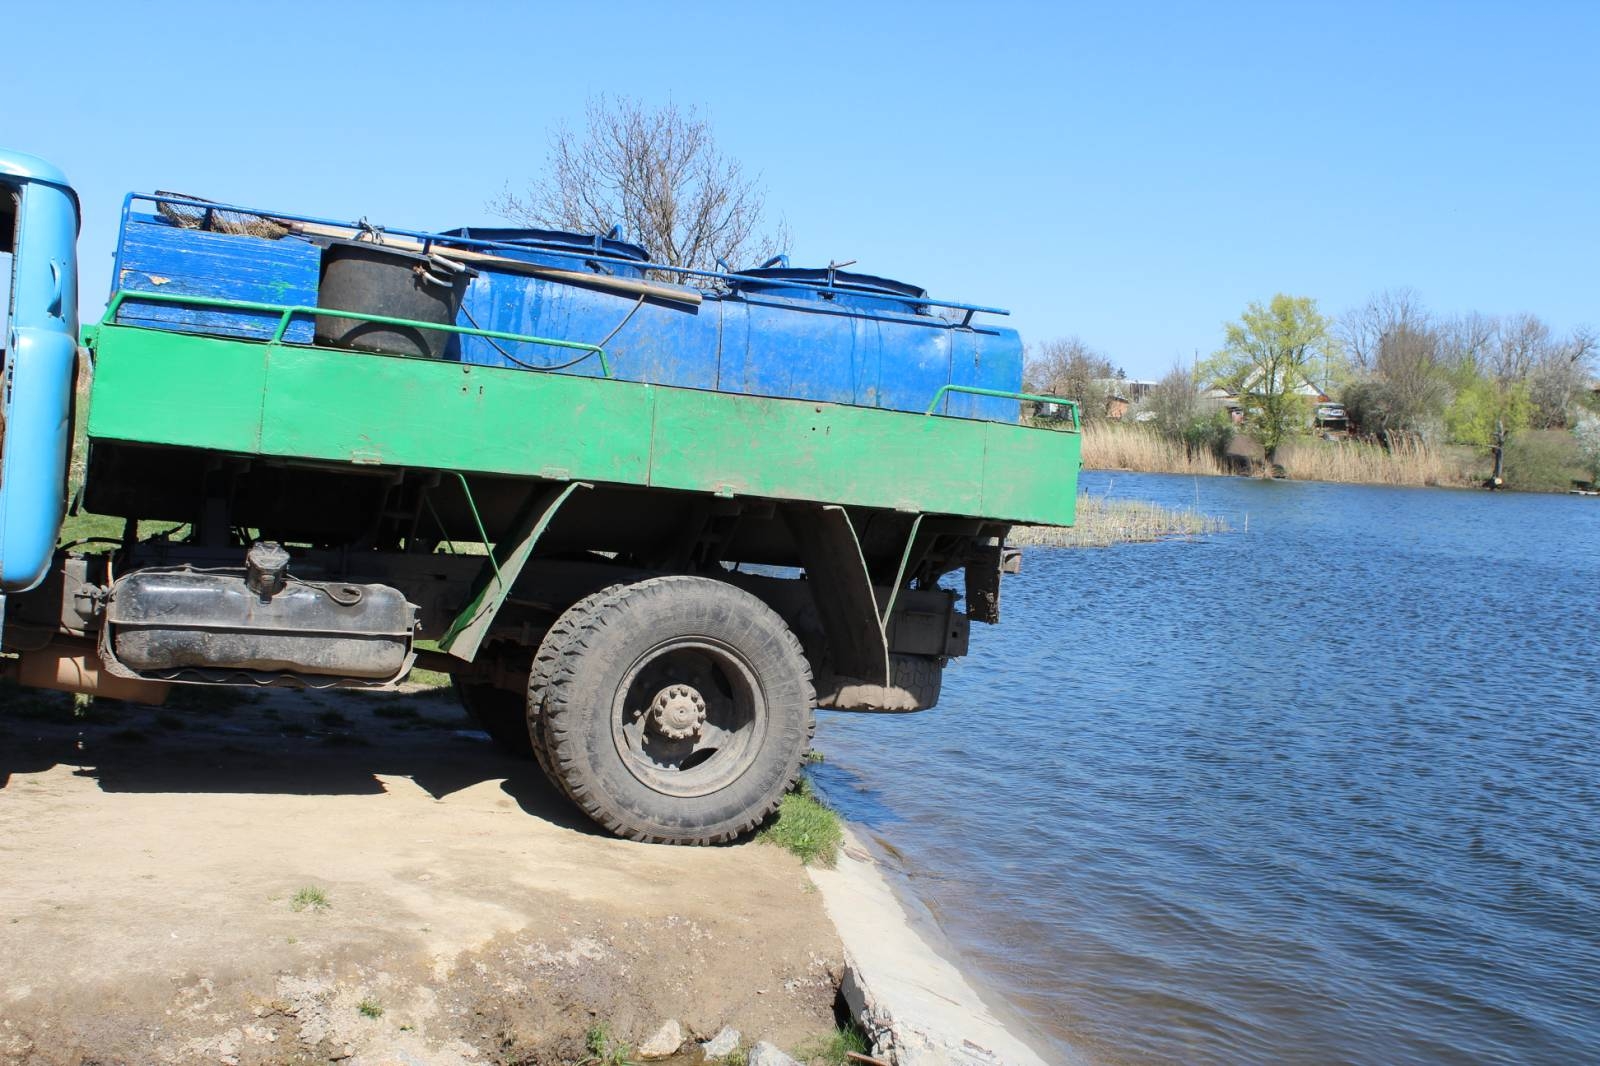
(500, 713)
(676, 710)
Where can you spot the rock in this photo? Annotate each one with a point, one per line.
(725, 1043)
(665, 1041)
(764, 1054)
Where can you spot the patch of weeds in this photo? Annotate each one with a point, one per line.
(428, 678)
(332, 720)
(835, 1048)
(86, 708)
(604, 1048)
(370, 1008)
(736, 1057)
(309, 898)
(806, 827)
(394, 712)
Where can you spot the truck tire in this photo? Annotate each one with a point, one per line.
(922, 677)
(500, 713)
(676, 710)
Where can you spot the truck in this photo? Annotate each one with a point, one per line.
(648, 519)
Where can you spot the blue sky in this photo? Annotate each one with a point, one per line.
(1132, 174)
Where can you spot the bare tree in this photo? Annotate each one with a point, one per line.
(658, 173)
(1409, 365)
(1175, 403)
(1362, 331)
(1394, 348)
(1069, 368)
(1519, 344)
(1465, 341)
(1560, 372)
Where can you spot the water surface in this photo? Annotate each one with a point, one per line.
(1325, 790)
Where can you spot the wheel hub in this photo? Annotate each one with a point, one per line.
(677, 712)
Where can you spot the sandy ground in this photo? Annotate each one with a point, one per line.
(150, 861)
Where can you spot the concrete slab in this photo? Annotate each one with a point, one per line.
(916, 1006)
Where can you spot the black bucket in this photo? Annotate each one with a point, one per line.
(375, 280)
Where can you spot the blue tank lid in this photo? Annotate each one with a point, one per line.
(819, 283)
(551, 240)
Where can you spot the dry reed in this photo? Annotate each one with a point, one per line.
(1107, 446)
(1102, 522)
(1405, 462)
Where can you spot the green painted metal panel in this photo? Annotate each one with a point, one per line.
(176, 388)
(1031, 473)
(787, 449)
(396, 411)
(254, 398)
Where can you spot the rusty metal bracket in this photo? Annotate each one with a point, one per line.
(502, 568)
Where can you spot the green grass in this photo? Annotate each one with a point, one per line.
(604, 1048)
(309, 898)
(806, 827)
(1543, 461)
(370, 1008)
(428, 678)
(835, 1048)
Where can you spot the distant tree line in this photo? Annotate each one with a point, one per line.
(1457, 378)
(1402, 373)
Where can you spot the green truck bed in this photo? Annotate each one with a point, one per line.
(297, 402)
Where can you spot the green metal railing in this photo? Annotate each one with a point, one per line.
(1001, 394)
(288, 312)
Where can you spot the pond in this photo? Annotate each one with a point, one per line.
(1320, 789)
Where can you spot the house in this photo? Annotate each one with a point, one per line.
(1315, 397)
(1122, 393)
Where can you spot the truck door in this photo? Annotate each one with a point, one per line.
(38, 360)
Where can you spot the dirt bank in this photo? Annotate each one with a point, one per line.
(313, 877)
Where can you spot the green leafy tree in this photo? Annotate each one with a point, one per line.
(1267, 358)
(1483, 407)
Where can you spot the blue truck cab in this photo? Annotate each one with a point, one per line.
(39, 220)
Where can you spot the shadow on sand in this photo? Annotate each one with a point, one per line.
(279, 742)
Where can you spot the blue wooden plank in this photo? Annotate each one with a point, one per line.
(159, 257)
